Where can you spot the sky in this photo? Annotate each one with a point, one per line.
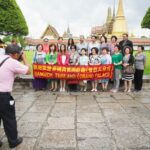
(80, 15)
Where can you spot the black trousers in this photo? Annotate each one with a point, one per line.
(8, 116)
(73, 87)
(138, 79)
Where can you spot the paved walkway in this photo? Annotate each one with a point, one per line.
(82, 121)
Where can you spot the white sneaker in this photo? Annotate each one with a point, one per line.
(95, 90)
(129, 91)
(61, 89)
(84, 89)
(92, 90)
(111, 90)
(114, 91)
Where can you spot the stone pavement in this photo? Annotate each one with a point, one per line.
(82, 121)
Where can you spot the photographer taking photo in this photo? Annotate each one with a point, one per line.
(9, 67)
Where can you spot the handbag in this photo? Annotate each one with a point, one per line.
(129, 70)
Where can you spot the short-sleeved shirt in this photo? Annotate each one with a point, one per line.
(92, 45)
(39, 57)
(106, 59)
(95, 59)
(81, 45)
(116, 58)
(8, 70)
(83, 60)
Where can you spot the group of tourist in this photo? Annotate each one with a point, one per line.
(98, 51)
(92, 53)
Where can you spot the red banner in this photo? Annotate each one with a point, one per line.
(73, 72)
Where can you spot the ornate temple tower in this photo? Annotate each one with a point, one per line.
(109, 16)
(67, 34)
(120, 24)
(109, 22)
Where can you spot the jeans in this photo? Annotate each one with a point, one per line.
(117, 74)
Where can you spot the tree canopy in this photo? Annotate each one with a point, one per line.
(12, 21)
(146, 20)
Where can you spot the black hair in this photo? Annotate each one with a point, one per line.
(60, 38)
(103, 36)
(126, 34)
(115, 37)
(84, 49)
(64, 47)
(38, 46)
(96, 49)
(130, 49)
(73, 46)
(118, 46)
(94, 36)
(72, 41)
(46, 40)
(142, 47)
(52, 46)
(105, 48)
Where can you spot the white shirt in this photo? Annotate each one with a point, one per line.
(82, 45)
(91, 45)
(63, 59)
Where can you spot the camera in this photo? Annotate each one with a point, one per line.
(20, 57)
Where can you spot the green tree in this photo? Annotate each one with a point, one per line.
(20, 39)
(146, 20)
(12, 21)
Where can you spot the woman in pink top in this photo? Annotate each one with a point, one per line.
(112, 44)
(46, 46)
(63, 59)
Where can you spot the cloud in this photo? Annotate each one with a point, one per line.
(80, 15)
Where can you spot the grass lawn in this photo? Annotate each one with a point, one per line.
(147, 70)
(30, 54)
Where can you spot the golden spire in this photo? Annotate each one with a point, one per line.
(120, 24)
(120, 12)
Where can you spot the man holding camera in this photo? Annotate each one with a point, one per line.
(9, 67)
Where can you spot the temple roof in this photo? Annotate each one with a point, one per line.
(50, 32)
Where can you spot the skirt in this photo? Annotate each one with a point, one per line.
(39, 84)
(104, 80)
(72, 82)
(127, 77)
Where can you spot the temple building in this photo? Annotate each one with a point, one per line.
(115, 24)
(50, 33)
(67, 34)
